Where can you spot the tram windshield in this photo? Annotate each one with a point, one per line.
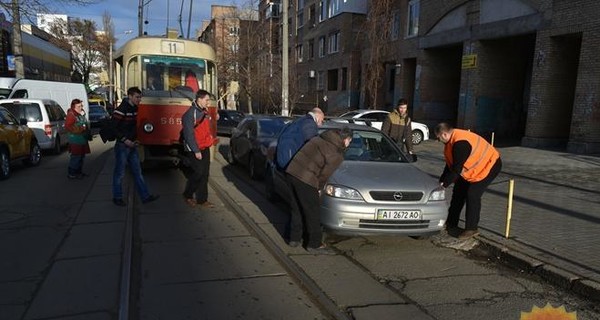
(167, 76)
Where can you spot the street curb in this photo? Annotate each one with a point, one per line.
(550, 273)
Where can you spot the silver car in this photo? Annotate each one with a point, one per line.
(376, 190)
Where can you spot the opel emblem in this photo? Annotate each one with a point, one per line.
(398, 196)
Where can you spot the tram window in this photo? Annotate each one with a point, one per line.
(176, 75)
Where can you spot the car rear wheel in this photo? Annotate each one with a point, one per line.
(230, 157)
(256, 173)
(270, 185)
(56, 149)
(35, 154)
(417, 136)
(4, 164)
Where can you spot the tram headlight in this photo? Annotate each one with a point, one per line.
(148, 127)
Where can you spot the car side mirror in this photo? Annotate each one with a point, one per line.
(23, 121)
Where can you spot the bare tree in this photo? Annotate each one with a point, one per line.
(19, 9)
(79, 36)
(377, 30)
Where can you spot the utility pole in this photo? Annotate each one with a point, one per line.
(284, 63)
(17, 41)
(141, 18)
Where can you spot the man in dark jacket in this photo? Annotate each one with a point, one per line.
(398, 126)
(125, 123)
(308, 172)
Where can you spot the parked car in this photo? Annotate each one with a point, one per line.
(97, 115)
(102, 103)
(45, 117)
(17, 142)
(250, 140)
(376, 190)
(228, 119)
(375, 118)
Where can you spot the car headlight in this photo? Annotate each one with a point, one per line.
(342, 192)
(438, 194)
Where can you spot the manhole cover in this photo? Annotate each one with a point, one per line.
(10, 216)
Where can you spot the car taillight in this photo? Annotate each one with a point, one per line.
(48, 130)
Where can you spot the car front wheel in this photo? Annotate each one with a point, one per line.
(230, 157)
(35, 154)
(4, 164)
(417, 136)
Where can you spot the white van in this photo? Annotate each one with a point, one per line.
(61, 92)
(6, 85)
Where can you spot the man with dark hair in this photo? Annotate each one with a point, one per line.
(398, 126)
(471, 164)
(307, 173)
(198, 139)
(125, 124)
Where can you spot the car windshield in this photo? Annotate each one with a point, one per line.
(269, 127)
(236, 116)
(97, 110)
(372, 146)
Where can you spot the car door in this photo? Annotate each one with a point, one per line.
(375, 118)
(15, 134)
(245, 141)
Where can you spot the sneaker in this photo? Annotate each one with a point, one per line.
(207, 204)
(150, 198)
(190, 202)
(294, 244)
(453, 231)
(468, 234)
(119, 202)
(324, 250)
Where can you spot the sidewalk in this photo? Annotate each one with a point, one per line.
(555, 216)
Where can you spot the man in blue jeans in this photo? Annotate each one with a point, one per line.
(124, 120)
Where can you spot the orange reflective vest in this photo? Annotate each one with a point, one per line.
(479, 163)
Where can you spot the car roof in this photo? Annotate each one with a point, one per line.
(44, 101)
(352, 126)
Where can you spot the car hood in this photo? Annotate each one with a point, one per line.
(364, 175)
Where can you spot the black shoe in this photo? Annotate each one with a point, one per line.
(320, 250)
(150, 198)
(119, 202)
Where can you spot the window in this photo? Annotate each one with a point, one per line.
(332, 80)
(311, 16)
(395, 25)
(299, 53)
(322, 11)
(413, 18)
(321, 47)
(300, 5)
(311, 49)
(300, 20)
(333, 8)
(344, 78)
(334, 42)
(320, 80)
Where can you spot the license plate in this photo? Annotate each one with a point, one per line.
(386, 214)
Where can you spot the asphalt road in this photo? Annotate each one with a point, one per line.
(61, 252)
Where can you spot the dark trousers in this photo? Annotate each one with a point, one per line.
(470, 193)
(305, 213)
(196, 171)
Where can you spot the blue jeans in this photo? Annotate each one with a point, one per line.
(128, 156)
(75, 164)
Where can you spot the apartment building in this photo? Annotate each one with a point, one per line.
(524, 71)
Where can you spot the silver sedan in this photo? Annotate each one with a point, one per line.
(376, 190)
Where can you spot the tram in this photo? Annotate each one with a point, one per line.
(169, 71)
